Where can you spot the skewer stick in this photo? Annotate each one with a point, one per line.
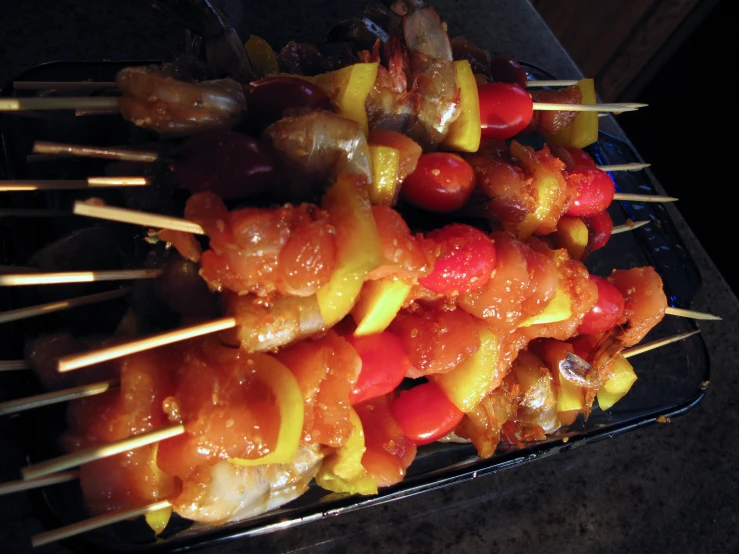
(629, 352)
(691, 314)
(56, 397)
(14, 365)
(559, 107)
(76, 361)
(51, 307)
(124, 215)
(57, 103)
(23, 485)
(550, 83)
(24, 279)
(62, 85)
(630, 226)
(90, 182)
(95, 523)
(622, 167)
(96, 111)
(109, 153)
(643, 197)
(98, 452)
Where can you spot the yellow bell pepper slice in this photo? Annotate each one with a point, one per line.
(287, 393)
(158, 519)
(472, 380)
(379, 302)
(464, 133)
(385, 166)
(358, 246)
(572, 234)
(617, 386)
(342, 472)
(262, 57)
(559, 308)
(348, 88)
(547, 184)
(583, 131)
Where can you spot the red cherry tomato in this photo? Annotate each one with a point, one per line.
(595, 190)
(466, 257)
(508, 70)
(600, 226)
(384, 365)
(441, 182)
(268, 98)
(229, 164)
(505, 110)
(584, 345)
(425, 414)
(607, 312)
(580, 157)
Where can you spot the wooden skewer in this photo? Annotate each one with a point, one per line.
(691, 314)
(622, 167)
(96, 111)
(51, 307)
(95, 523)
(76, 361)
(630, 226)
(643, 197)
(25, 279)
(57, 103)
(23, 485)
(62, 85)
(109, 153)
(81, 457)
(629, 352)
(56, 397)
(550, 83)
(135, 217)
(610, 108)
(90, 182)
(14, 365)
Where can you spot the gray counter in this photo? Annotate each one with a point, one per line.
(669, 487)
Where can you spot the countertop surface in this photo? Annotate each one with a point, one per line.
(666, 487)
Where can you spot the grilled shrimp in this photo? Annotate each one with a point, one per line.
(316, 147)
(433, 77)
(232, 492)
(389, 105)
(155, 101)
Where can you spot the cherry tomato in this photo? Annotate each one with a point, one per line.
(229, 164)
(268, 98)
(595, 190)
(580, 157)
(505, 110)
(507, 70)
(384, 365)
(600, 226)
(607, 312)
(584, 345)
(425, 413)
(466, 258)
(441, 182)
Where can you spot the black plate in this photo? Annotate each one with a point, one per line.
(671, 380)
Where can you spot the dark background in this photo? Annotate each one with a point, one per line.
(692, 158)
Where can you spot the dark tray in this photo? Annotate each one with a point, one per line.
(671, 380)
